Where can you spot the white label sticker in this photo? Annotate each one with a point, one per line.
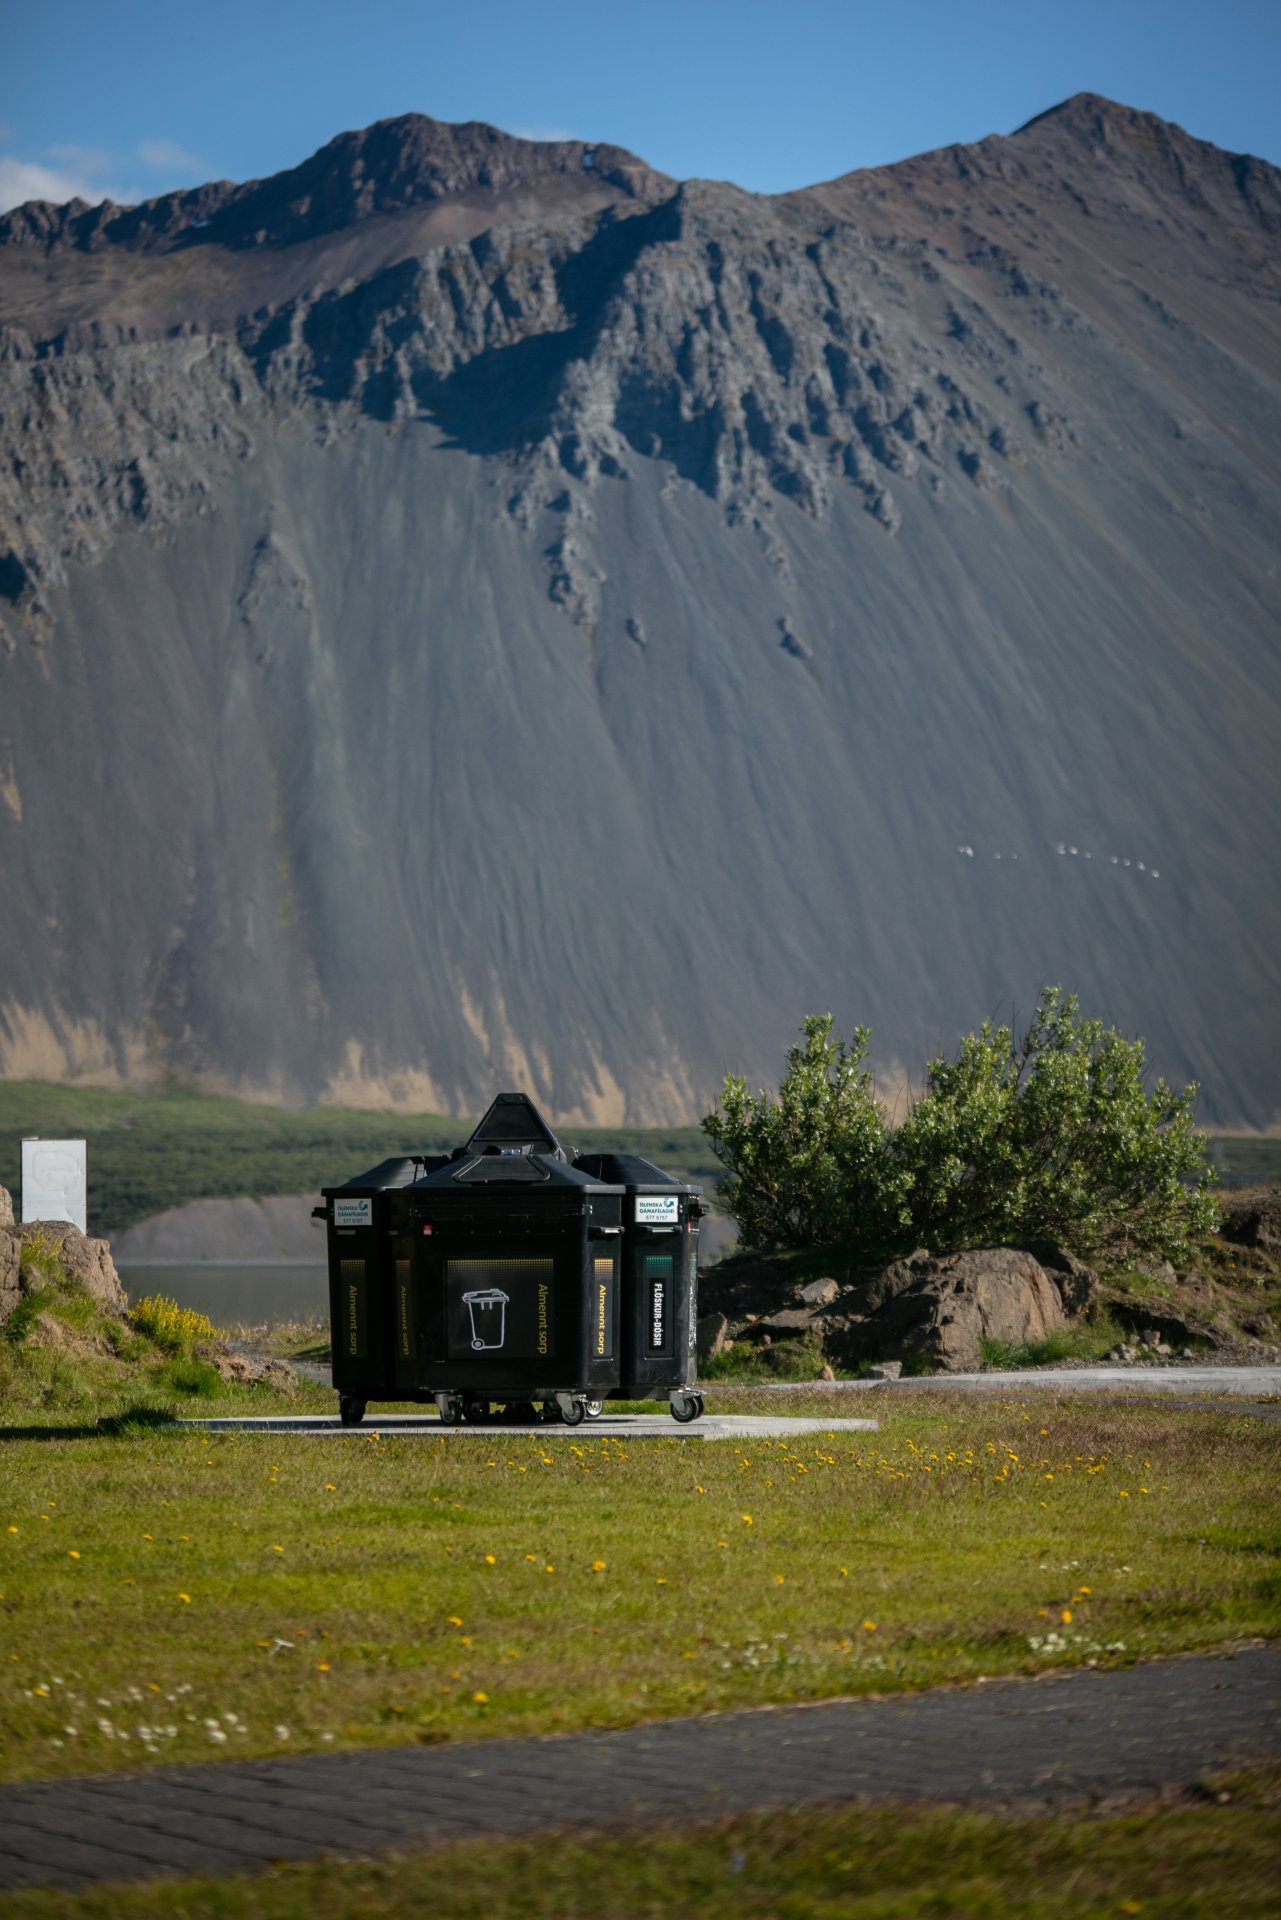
(353, 1213)
(657, 1210)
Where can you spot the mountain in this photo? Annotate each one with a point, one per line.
(482, 612)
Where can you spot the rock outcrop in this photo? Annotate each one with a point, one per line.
(88, 1261)
(925, 1310)
(941, 1310)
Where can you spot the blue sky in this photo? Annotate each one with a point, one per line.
(132, 99)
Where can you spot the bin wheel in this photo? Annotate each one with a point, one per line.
(593, 1409)
(351, 1411)
(475, 1412)
(572, 1411)
(450, 1409)
(686, 1407)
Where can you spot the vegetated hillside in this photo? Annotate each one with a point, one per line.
(150, 1152)
(479, 613)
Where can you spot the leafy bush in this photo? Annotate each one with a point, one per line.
(812, 1166)
(169, 1325)
(189, 1374)
(1052, 1137)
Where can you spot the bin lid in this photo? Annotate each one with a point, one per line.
(513, 1125)
(637, 1175)
(400, 1171)
(529, 1173)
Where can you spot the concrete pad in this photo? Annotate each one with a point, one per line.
(621, 1426)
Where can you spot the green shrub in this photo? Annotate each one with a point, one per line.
(192, 1376)
(1054, 1137)
(812, 1166)
(24, 1316)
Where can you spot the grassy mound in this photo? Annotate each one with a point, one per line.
(66, 1356)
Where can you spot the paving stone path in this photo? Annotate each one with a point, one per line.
(1073, 1740)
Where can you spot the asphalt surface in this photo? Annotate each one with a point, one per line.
(1088, 1738)
(1246, 1383)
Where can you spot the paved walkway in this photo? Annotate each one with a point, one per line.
(619, 1426)
(1246, 1383)
(1087, 1738)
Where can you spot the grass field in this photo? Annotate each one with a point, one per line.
(152, 1151)
(174, 1596)
(1217, 1860)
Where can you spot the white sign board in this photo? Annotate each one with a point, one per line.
(353, 1213)
(53, 1181)
(657, 1209)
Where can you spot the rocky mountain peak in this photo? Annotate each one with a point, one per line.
(387, 168)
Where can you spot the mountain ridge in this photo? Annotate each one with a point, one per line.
(757, 495)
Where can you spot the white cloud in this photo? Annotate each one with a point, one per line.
(545, 133)
(71, 172)
(166, 156)
(30, 180)
(88, 161)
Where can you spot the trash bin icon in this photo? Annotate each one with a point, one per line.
(488, 1310)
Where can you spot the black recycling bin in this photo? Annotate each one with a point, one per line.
(659, 1281)
(506, 1268)
(360, 1279)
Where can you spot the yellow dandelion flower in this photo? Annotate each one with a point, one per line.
(454, 1621)
(277, 1549)
(869, 1626)
(184, 1597)
(72, 1554)
(481, 1699)
(845, 1573)
(322, 1666)
(598, 1566)
(779, 1578)
(1066, 1616)
(330, 1487)
(747, 1520)
(489, 1560)
(12, 1529)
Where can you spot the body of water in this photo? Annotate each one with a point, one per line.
(237, 1295)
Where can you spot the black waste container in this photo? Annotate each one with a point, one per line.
(358, 1215)
(506, 1272)
(659, 1281)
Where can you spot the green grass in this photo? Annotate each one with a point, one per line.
(152, 1151)
(1204, 1861)
(367, 1590)
(1247, 1156)
(1087, 1342)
